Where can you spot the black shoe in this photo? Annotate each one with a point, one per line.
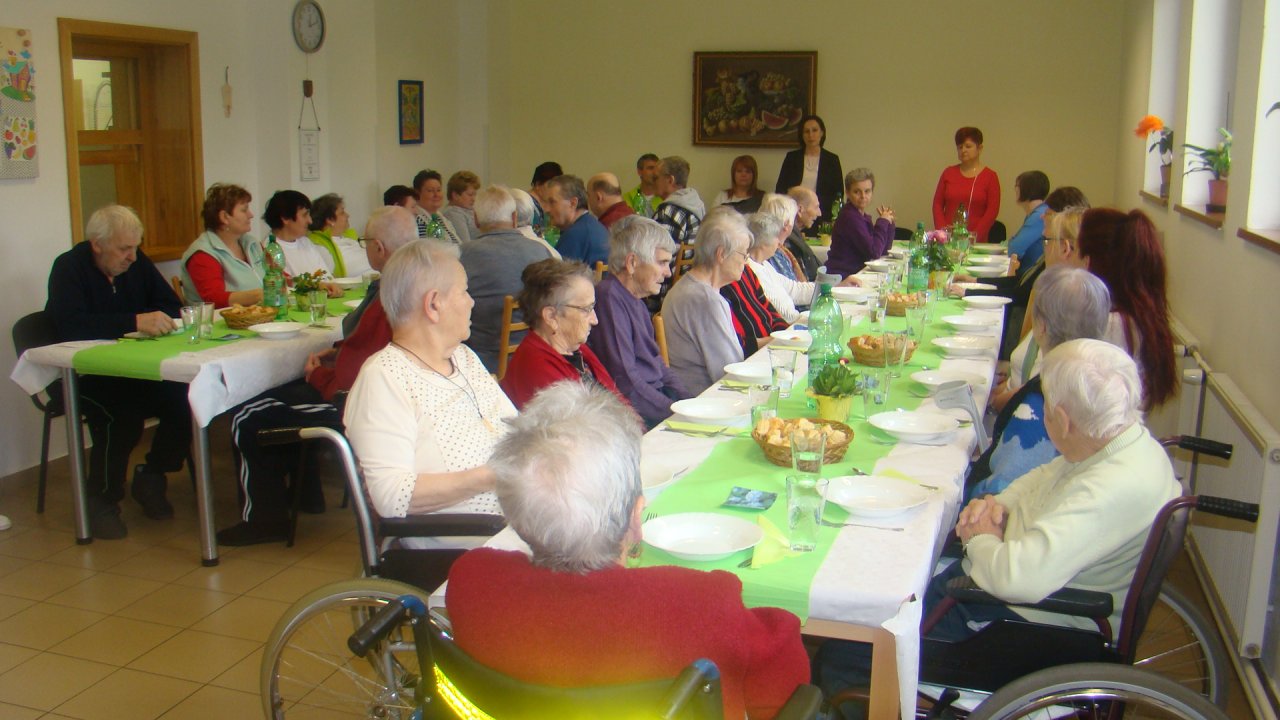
(104, 519)
(254, 533)
(148, 489)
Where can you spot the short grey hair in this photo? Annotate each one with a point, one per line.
(494, 206)
(524, 207)
(639, 235)
(571, 187)
(568, 476)
(393, 226)
(781, 206)
(765, 229)
(720, 231)
(412, 272)
(857, 175)
(110, 220)
(1096, 384)
(1070, 303)
(677, 167)
(802, 195)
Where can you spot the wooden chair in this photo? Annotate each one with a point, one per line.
(176, 282)
(684, 261)
(600, 268)
(660, 334)
(505, 346)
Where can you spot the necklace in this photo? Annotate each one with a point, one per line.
(811, 163)
(466, 390)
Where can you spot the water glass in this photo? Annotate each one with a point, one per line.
(762, 412)
(191, 322)
(762, 395)
(875, 392)
(367, 279)
(206, 320)
(807, 448)
(783, 365)
(319, 301)
(806, 499)
(895, 351)
(916, 320)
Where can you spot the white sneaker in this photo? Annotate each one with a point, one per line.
(5, 523)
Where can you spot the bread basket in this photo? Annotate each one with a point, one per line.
(240, 317)
(780, 454)
(868, 349)
(899, 302)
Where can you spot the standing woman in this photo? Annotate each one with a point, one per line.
(812, 167)
(225, 264)
(970, 183)
(743, 193)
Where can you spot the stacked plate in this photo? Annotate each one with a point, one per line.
(965, 345)
(712, 409)
(277, 330)
(924, 428)
(701, 536)
(749, 372)
(875, 496)
(986, 302)
(984, 270)
(933, 379)
(971, 322)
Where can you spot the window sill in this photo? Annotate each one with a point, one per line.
(1268, 239)
(1197, 213)
(1154, 199)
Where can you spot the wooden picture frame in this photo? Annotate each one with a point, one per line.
(753, 99)
(409, 100)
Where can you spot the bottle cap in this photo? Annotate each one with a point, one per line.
(824, 288)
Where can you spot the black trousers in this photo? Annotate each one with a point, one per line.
(116, 409)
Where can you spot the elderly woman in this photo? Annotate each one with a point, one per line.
(702, 335)
(559, 303)
(1071, 303)
(428, 188)
(424, 414)
(782, 294)
(784, 260)
(525, 212)
(570, 613)
(804, 217)
(331, 229)
(752, 310)
(812, 166)
(856, 240)
(224, 265)
(462, 188)
(743, 193)
(640, 253)
(970, 184)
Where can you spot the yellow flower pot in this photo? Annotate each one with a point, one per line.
(834, 408)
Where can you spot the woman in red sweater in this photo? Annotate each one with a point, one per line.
(559, 303)
(968, 183)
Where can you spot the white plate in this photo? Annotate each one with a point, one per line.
(701, 536)
(934, 378)
(347, 282)
(791, 338)
(965, 345)
(975, 286)
(880, 266)
(986, 302)
(277, 330)
(988, 260)
(916, 427)
(875, 496)
(970, 322)
(712, 409)
(657, 474)
(749, 372)
(852, 294)
(988, 249)
(979, 271)
(897, 253)
(353, 304)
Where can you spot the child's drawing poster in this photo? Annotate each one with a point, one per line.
(17, 105)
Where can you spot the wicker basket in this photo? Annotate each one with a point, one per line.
(240, 317)
(875, 357)
(781, 454)
(898, 306)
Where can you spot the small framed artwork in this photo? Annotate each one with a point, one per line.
(409, 99)
(752, 98)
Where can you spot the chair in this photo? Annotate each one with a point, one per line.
(660, 334)
(176, 283)
(599, 271)
(903, 233)
(998, 233)
(684, 261)
(505, 346)
(35, 330)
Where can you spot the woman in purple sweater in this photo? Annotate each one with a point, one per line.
(855, 239)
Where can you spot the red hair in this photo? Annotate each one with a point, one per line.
(1122, 249)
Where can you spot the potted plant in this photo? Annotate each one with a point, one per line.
(941, 255)
(1216, 160)
(1152, 124)
(306, 283)
(834, 388)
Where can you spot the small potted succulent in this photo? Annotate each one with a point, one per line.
(306, 283)
(1215, 160)
(834, 389)
(1153, 125)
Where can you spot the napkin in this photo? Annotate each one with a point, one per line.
(773, 547)
(699, 427)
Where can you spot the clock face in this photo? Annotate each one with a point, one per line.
(308, 25)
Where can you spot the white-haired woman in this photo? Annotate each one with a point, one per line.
(640, 253)
(525, 212)
(784, 260)
(572, 614)
(424, 414)
(702, 336)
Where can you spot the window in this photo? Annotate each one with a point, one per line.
(1214, 32)
(1166, 27)
(1264, 186)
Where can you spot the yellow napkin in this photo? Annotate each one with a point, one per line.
(773, 547)
(699, 427)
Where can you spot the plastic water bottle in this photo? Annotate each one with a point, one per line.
(918, 261)
(826, 325)
(273, 288)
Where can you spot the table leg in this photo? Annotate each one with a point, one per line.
(883, 701)
(75, 454)
(204, 492)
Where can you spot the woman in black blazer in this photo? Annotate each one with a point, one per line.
(823, 164)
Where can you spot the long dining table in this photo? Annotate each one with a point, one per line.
(220, 374)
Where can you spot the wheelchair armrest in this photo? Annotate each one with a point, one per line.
(442, 525)
(1067, 601)
(803, 704)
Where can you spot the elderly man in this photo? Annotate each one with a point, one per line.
(462, 188)
(582, 237)
(101, 290)
(639, 260)
(643, 198)
(264, 496)
(681, 210)
(604, 197)
(525, 211)
(573, 614)
(494, 260)
(808, 211)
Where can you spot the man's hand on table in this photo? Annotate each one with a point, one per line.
(983, 516)
(851, 281)
(155, 323)
(320, 359)
(334, 289)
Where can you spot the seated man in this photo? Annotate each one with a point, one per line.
(582, 237)
(605, 199)
(573, 614)
(100, 290)
(264, 497)
(682, 209)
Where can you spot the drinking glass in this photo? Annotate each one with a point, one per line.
(895, 351)
(762, 412)
(807, 447)
(191, 322)
(206, 320)
(806, 499)
(367, 279)
(875, 392)
(319, 301)
(915, 320)
(783, 364)
(878, 305)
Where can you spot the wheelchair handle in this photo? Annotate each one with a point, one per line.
(1206, 446)
(689, 683)
(1227, 507)
(280, 436)
(383, 622)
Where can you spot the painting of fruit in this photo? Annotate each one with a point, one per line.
(752, 98)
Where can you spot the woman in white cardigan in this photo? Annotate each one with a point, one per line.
(769, 228)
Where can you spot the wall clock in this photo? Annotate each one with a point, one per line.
(308, 25)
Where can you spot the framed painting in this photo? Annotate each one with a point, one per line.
(409, 100)
(752, 98)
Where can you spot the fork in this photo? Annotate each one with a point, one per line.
(829, 523)
(697, 433)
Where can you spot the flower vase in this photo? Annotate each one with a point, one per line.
(303, 299)
(938, 279)
(834, 408)
(1217, 196)
(1164, 180)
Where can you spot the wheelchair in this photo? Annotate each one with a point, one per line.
(368, 648)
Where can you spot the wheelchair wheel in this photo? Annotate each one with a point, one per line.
(1182, 644)
(308, 671)
(1096, 690)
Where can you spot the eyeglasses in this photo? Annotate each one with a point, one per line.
(362, 242)
(738, 252)
(1047, 240)
(587, 309)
